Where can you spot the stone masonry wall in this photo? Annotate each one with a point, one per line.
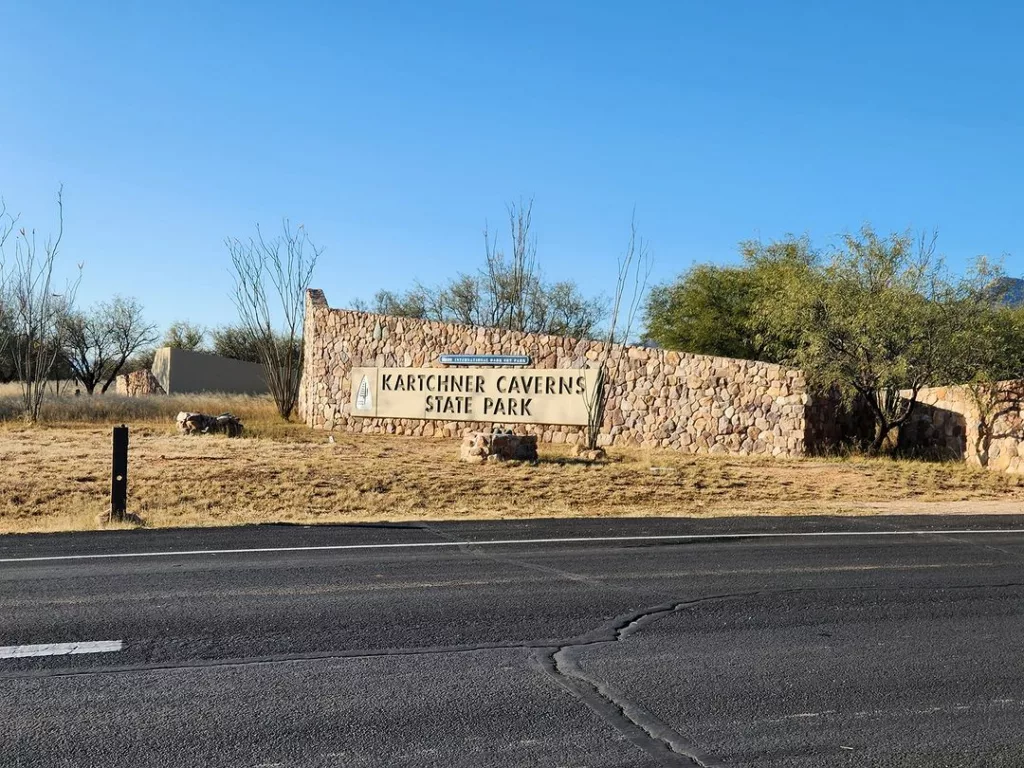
(661, 398)
(947, 423)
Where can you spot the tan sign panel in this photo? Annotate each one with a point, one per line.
(519, 396)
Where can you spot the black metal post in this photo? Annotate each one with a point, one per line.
(119, 475)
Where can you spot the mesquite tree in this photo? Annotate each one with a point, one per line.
(634, 270)
(986, 352)
(271, 278)
(183, 334)
(876, 321)
(99, 343)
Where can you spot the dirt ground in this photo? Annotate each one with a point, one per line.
(58, 478)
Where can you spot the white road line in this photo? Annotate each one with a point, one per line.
(513, 542)
(59, 649)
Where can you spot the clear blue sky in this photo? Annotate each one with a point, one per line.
(394, 130)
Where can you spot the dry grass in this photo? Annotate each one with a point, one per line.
(56, 477)
(10, 393)
(13, 388)
(257, 411)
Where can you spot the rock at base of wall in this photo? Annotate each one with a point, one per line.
(201, 424)
(580, 451)
(478, 447)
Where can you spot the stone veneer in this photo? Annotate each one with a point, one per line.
(138, 383)
(661, 398)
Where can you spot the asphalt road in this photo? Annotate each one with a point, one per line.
(741, 642)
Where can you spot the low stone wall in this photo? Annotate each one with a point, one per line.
(138, 383)
(948, 423)
(661, 398)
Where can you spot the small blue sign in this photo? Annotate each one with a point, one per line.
(484, 359)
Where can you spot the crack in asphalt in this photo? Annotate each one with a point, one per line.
(638, 725)
(616, 630)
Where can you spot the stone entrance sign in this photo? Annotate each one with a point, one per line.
(520, 396)
(657, 398)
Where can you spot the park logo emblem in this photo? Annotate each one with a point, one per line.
(364, 400)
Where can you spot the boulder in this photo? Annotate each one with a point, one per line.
(200, 424)
(580, 451)
(478, 447)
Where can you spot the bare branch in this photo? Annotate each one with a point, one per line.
(270, 281)
(507, 291)
(37, 312)
(633, 275)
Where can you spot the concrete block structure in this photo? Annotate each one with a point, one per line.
(181, 370)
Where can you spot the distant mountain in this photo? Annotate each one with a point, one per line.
(1009, 291)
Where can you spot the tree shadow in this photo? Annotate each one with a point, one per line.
(933, 434)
